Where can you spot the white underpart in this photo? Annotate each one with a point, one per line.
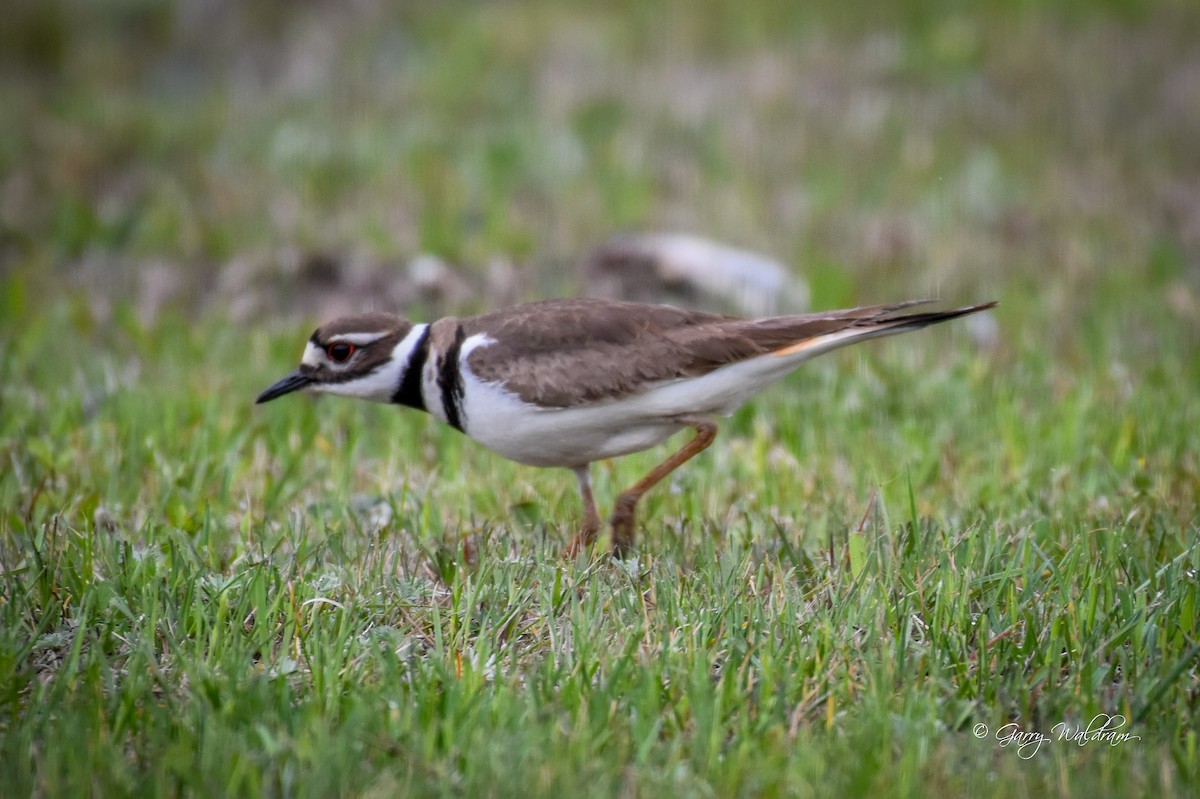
(380, 385)
(429, 386)
(575, 436)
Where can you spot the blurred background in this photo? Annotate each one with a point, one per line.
(277, 162)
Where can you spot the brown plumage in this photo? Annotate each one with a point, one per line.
(564, 353)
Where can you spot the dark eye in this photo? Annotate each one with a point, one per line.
(340, 352)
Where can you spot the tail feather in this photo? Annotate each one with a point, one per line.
(816, 334)
(918, 320)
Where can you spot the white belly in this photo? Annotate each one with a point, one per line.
(582, 434)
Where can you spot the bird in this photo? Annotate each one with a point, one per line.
(568, 382)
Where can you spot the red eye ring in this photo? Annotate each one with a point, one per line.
(340, 351)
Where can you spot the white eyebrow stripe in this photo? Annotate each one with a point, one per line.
(358, 339)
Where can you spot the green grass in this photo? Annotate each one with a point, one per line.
(896, 545)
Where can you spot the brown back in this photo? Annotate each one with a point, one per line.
(562, 353)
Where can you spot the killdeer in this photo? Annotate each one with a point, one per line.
(568, 382)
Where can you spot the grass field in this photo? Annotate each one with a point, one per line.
(922, 566)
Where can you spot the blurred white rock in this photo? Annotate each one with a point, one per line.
(689, 270)
(435, 281)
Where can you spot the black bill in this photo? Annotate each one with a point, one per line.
(293, 382)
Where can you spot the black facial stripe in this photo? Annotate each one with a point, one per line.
(450, 382)
(409, 391)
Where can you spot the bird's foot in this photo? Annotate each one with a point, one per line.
(582, 541)
(622, 525)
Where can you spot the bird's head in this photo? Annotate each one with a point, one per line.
(361, 356)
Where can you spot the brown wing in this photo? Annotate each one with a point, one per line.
(561, 353)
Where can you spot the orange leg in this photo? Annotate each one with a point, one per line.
(623, 511)
(591, 517)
